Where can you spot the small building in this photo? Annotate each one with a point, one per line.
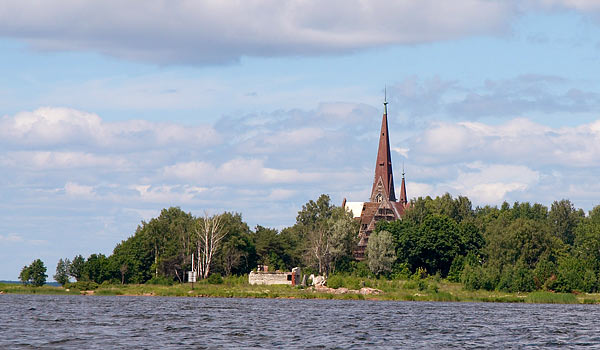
(263, 276)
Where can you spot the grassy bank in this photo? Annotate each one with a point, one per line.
(406, 290)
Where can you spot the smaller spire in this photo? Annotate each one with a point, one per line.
(403, 197)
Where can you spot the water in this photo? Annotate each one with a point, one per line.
(124, 322)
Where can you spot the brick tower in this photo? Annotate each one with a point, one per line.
(382, 204)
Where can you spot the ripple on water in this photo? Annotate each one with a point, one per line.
(101, 322)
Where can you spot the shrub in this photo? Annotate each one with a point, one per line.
(82, 285)
(410, 285)
(361, 269)
(400, 271)
(160, 280)
(543, 272)
(215, 278)
(456, 269)
(335, 281)
(420, 273)
(523, 280)
(471, 277)
(350, 282)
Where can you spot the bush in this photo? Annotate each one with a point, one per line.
(335, 281)
(543, 272)
(474, 278)
(420, 273)
(215, 278)
(456, 269)
(573, 275)
(410, 285)
(400, 271)
(236, 280)
(82, 285)
(519, 279)
(161, 280)
(361, 269)
(350, 282)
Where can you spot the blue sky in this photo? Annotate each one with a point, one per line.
(111, 111)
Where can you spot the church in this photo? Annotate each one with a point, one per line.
(383, 204)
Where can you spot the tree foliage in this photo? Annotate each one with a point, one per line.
(62, 271)
(381, 252)
(511, 247)
(34, 274)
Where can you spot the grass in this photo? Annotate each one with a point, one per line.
(554, 298)
(430, 289)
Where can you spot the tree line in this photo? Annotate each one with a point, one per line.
(518, 247)
(160, 250)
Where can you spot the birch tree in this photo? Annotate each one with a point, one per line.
(381, 252)
(331, 239)
(209, 234)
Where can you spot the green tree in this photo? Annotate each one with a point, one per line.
(238, 253)
(34, 273)
(97, 269)
(76, 267)
(315, 212)
(564, 218)
(137, 254)
(380, 252)
(458, 209)
(25, 274)
(438, 244)
(62, 271)
(330, 239)
(271, 248)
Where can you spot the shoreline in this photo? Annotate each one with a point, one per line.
(441, 292)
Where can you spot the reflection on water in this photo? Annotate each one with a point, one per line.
(125, 322)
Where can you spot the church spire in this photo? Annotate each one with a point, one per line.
(383, 184)
(403, 198)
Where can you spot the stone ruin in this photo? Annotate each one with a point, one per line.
(262, 275)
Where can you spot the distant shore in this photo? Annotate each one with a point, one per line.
(385, 290)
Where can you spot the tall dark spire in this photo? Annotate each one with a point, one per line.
(383, 184)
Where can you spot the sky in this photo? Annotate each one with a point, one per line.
(113, 110)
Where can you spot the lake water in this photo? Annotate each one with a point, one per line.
(124, 322)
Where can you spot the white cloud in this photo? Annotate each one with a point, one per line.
(79, 191)
(581, 5)
(519, 140)
(13, 238)
(491, 183)
(279, 194)
(54, 126)
(236, 171)
(41, 160)
(401, 151)
(168, 194)
(416, 189)
(199, 32)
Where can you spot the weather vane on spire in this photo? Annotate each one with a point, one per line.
(385, 99)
